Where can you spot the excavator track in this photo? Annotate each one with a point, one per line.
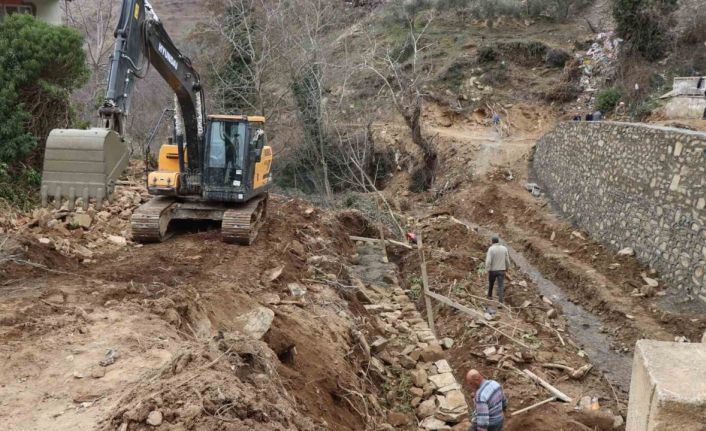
(149, 222)
(241, 225)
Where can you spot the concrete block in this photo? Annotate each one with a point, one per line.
(668, 387)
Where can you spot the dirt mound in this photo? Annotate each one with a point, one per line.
(179, 313)
(356, 223)
(546, 418)
(229, 384)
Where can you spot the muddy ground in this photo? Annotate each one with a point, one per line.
(99, 333)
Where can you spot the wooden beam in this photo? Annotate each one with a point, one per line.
(425, 282)
(533, 406)
(473, 313)
(389, 241)
(543, 383)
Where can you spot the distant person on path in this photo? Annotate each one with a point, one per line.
(497, 261)
(490, 403)
(496, 124)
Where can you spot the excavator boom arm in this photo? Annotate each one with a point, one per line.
(141, 42)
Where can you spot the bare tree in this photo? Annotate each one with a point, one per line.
(243, 78)
(304, 25)
(404, 81)
(96, 20)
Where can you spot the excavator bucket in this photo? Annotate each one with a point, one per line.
(82, 164)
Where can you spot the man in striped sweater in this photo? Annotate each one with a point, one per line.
(490, 403)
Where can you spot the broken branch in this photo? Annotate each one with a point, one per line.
(541, 403)
(543, 383)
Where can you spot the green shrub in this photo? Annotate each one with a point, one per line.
(607, 100)
(455, 74)
(420, 180)
(524, 52)
(19, 185)
(403, 51)
(487, 54)
(644, 24)
(640, 110)
(40, 65)
(563, 93)
(557, 57)
(495, 76)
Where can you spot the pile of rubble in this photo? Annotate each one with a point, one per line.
(81, 233)
(599, 59)
(408, 351)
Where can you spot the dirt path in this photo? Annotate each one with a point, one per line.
(490, 148)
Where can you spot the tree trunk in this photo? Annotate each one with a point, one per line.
(411, 116)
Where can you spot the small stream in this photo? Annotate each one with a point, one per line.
(584, 326)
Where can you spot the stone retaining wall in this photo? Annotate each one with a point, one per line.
(633, 185)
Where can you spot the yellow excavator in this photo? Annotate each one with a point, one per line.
(217, 168)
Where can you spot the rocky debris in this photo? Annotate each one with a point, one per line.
(84, 233)
(81, 220)
(111, 356)
(443, 366)
(255, 323)
(452, 407)
(578, 235)
(442, 380)
(490, 351)
(272, 274)
(397, 419)
(97, 372)
(296, 289)
(420, 378)
(409, 346)
(647, 291)
(432, 352)
(534, 189)
(379, 345)
(447, 343)
(650, 281)
(426, 408)
(432, 423)
(155, 418)
(117, 240)
(627, 251)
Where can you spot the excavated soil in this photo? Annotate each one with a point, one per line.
(173, 313)
(99, 333)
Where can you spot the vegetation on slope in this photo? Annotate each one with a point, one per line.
(40, 65)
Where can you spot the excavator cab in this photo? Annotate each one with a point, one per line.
(237, 160)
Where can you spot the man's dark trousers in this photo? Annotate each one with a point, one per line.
(498, 427)
(500, 277)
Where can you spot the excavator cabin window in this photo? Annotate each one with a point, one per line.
(226, 141)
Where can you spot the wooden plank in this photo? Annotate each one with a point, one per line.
(543, 383)
(425, 282)
(389, 241)
(533, 406)
(476, 314)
